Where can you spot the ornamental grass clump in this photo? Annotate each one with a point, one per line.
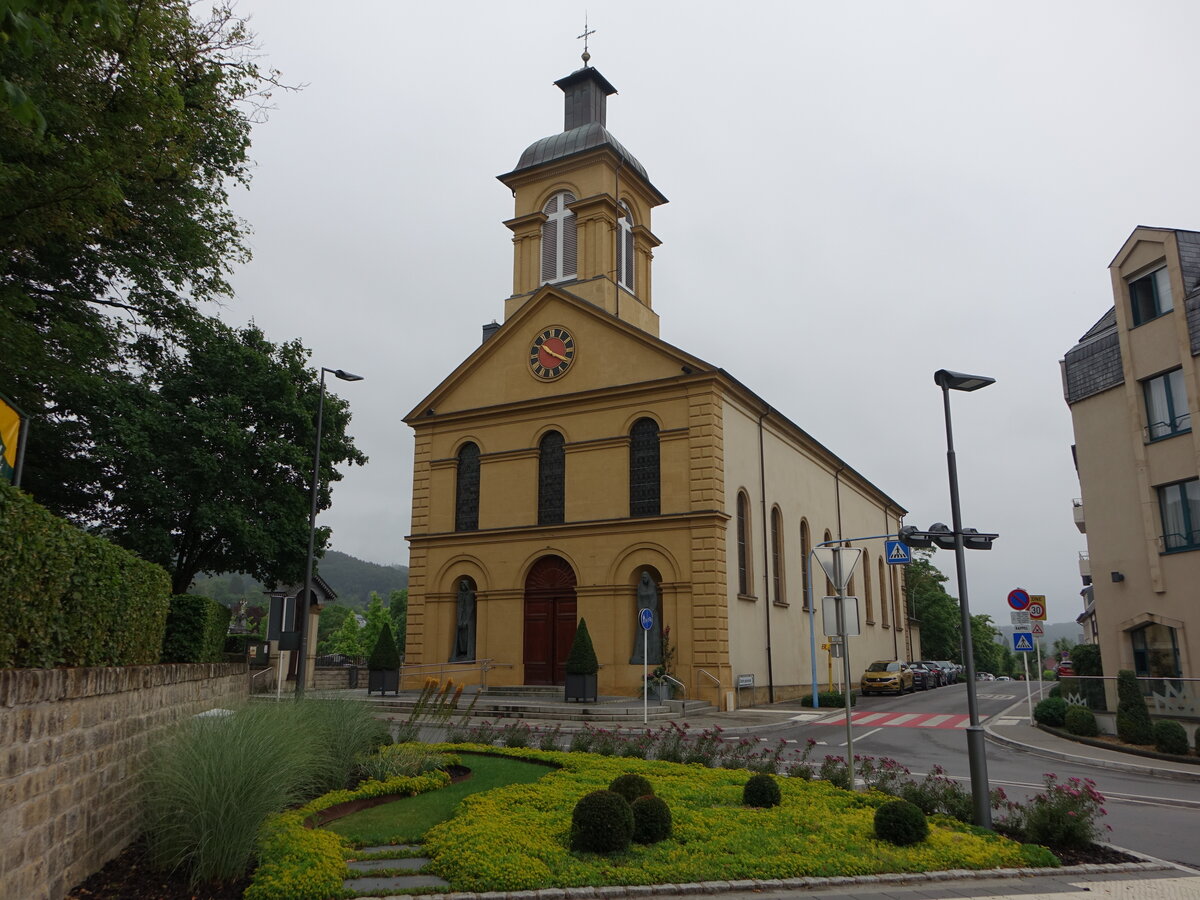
(651, 819)
(340, 731)
(761, 791)
(601, 822)
(1170, 737)
(901, 823)
(631, 786)
(399, 759)
(1081, 721)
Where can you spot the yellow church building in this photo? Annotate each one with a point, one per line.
(575, 450)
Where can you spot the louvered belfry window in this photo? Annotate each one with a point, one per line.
(551, 478)
(643, 468)
(625, 248)
(558, 239)
(466, 494)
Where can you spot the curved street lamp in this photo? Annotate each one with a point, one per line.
(312, 529)
(976, 755)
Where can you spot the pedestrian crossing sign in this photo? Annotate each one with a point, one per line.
(897, 553)
(1022, 642)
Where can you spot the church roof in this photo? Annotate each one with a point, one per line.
(577, 140)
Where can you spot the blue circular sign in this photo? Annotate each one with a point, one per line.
(646, 617)
(1018, 599)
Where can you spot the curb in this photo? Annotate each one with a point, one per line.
(1111, 764)
(906, 879)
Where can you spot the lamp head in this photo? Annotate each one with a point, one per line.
(347, 376)
(960, 381)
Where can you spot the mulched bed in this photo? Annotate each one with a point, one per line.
(129, 877)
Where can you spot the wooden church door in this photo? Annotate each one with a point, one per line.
(549, 620)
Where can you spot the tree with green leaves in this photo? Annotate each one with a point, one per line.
(206, 457)
(348, 640)
(398, 611)
(377, 616)
(332, 617)
(127, 122)
(988, 653)
(937, 611)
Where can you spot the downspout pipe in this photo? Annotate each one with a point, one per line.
(762, 487)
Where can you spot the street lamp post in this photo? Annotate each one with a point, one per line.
(312, 530)
(976, 753)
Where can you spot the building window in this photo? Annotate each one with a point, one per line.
(745, 577)
(828, 583)
(1179, 505)
(805, 550)
(1166, 406)
(558, 239)
(1155, 651)
(867, 597)
(551, 477)
(625, 248)
(644, 490)
(777, 583)
(1150, 296)
(466, 493)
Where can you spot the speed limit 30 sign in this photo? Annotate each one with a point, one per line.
(1037, 607)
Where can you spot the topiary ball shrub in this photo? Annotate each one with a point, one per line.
(631, 786)
(602, 822)
(1052, 711)
(901, 823)
(761, 791)
(1170, 737)
(1081, 721)
(651, 819)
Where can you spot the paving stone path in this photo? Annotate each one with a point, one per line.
(387, 884)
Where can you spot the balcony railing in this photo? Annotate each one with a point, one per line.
(1077, 509)
(1085, 565)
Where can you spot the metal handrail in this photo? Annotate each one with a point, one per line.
(713, 678)
(484, 666)
(673, 680)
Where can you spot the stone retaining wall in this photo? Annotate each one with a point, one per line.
(71, 744)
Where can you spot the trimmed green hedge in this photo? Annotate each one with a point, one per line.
(73, 599)
(196, 629)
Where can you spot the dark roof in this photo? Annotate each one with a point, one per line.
(1107, 322)
(577, 140)
(320, 586)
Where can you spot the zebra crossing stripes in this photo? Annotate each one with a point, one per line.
(902, 720)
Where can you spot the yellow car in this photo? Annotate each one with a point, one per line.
(884, 676)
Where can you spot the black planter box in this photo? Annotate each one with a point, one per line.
(383, 680)
(580, 688)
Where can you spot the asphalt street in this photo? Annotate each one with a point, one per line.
(1149, 814)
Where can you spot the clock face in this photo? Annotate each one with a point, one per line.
(552, 353)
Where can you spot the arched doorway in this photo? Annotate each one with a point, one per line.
(549, 620)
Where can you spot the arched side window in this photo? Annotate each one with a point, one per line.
(466, 489)
(883, 586)
(625, 248)
(558, 239)
(805, 550)
(867, 598)
(551, 479)
(777, 580)
(745, 575)
(828, 583)
(644, 491)
(885, 607)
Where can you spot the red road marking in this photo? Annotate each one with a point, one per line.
(909, 720)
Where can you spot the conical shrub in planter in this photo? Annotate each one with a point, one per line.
(1133, 718)
(383, 665)
(582, 667)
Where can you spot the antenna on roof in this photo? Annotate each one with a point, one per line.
(586, 56)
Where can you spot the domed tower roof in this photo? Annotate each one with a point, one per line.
(586, 94)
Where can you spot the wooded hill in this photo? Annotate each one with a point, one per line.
(351, 578)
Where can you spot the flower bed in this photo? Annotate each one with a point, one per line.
(516, 838)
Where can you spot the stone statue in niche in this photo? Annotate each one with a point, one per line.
(647, 598)
(464, 632)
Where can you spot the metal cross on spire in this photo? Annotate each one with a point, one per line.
(586, 56)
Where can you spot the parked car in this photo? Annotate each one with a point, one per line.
(952, 670)
(984, 676)
(940, 676)
(925, 676)
(886, 676)
(1003, 678)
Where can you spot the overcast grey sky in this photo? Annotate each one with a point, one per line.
(861, 193)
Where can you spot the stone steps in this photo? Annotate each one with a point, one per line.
(365, 882)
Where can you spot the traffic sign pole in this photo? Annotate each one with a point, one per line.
(645, 676)
(1028, 687)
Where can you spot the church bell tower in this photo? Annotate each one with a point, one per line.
(583, 205)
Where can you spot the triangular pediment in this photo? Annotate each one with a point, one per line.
(1143, 242)
(606, 352)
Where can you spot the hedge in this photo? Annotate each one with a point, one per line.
(196, 630)
(73, 599)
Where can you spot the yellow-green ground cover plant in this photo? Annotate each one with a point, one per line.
(518, 837)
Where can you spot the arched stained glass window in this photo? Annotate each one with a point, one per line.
(558, 239)
(551, 479)
(466, 492)
(644, 491)
(745, 576)
(805, 550)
